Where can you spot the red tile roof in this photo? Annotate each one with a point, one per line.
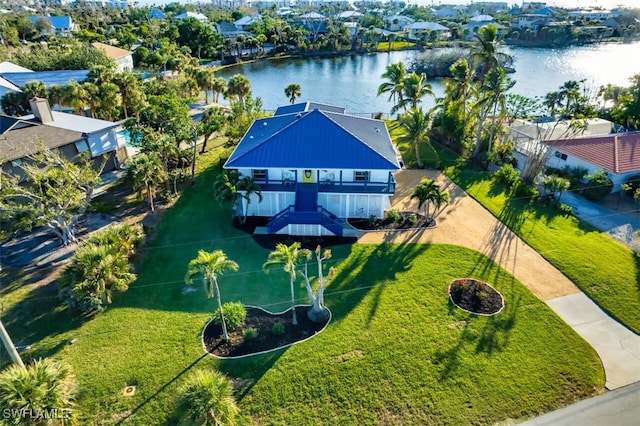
(618, 153)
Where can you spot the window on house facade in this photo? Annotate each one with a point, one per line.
(360, 176)
(561, 156)
(259, 175)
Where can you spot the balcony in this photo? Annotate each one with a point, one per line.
(334, 186)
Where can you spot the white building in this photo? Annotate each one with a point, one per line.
(316, 166)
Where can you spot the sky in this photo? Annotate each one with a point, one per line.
(605, 4)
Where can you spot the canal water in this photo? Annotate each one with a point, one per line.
(352, 81)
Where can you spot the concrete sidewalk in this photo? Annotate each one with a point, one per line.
(616, 408)
(617, 346)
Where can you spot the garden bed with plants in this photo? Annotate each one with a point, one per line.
(475, 296)
(262, 331)
(393, 221)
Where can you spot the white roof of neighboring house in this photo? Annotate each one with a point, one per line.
(399, 18)
(247, 20)
(482, 18)
(312, 15)
(112, 52)
(8, 85)
(76, 123)
(7, 66)
(196, 15)
(349, 14)
(432, 26)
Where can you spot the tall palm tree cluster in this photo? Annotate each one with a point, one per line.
(407, 90)
(469, 116)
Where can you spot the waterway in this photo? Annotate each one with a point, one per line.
(352, 81)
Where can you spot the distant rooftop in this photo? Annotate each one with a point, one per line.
(49, 78)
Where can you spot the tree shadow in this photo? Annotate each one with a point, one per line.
(37, 315)
(247, 371)
(379, 266)
(164, 387)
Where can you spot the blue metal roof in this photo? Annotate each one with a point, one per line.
(315, 140)
(49, 78)
(308, 106)
(56, 21)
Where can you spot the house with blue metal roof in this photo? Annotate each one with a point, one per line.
(316, 166)
(58, 25)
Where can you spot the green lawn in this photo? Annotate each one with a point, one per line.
(606, 270)
(396, 351)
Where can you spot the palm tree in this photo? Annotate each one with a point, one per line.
(485, 54)
(34, 89)
(414, 129)
(43, 386)
(210, 266)
(205, 78)
(248, 186)
(129, 87)
(292, 92)
(225, 187)
(288, 257)
(75, 96)
(414, 88)
(428, 192)
(206, 399)
(55, 94)
(96, 272)
(219, 86)
(238, 87)
(145, 172)
(395, 75)
(213, 121)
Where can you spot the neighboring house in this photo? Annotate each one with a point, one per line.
(421, 27)
(122, 57)
(532, 21)
(445, 13)
(228, 30)
(312, 16)
(617, 154)
(70, 134)
(349, 15)
(100, 135)
(545, 11)
(59, 25)
(157, 14)
(397, 22)
(243, 23)
(316, 166)
(199, 16)
(594, 14)
(49, 78)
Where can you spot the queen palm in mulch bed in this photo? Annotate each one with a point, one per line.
(475, 296)
(263, 321)
(406, 220)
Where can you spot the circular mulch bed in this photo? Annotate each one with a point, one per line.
(262, 321)
(475, 296)
(406, 220)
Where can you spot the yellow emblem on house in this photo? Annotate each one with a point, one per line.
(307, 176)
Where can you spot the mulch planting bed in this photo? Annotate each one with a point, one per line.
(476, 296)
(406, 220)
(266, 340)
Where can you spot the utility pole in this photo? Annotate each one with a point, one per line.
(8, 344)
(193, 161)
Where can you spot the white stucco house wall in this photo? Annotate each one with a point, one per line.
(316, 166)
(617, 154)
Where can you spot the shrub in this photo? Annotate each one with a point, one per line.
(565, 209)
(524, 190)
(251, 333)
(277, 328)
(508, 175)
(634, 184)
(503, 154)
(599, 186)
(393, 215)
(413, 218)
(372, 219)
(577, 174)
(234, 315)
(206, 397)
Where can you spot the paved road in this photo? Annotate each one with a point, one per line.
(620, 407)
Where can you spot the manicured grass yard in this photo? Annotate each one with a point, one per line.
(606, 270)
(396, 352)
